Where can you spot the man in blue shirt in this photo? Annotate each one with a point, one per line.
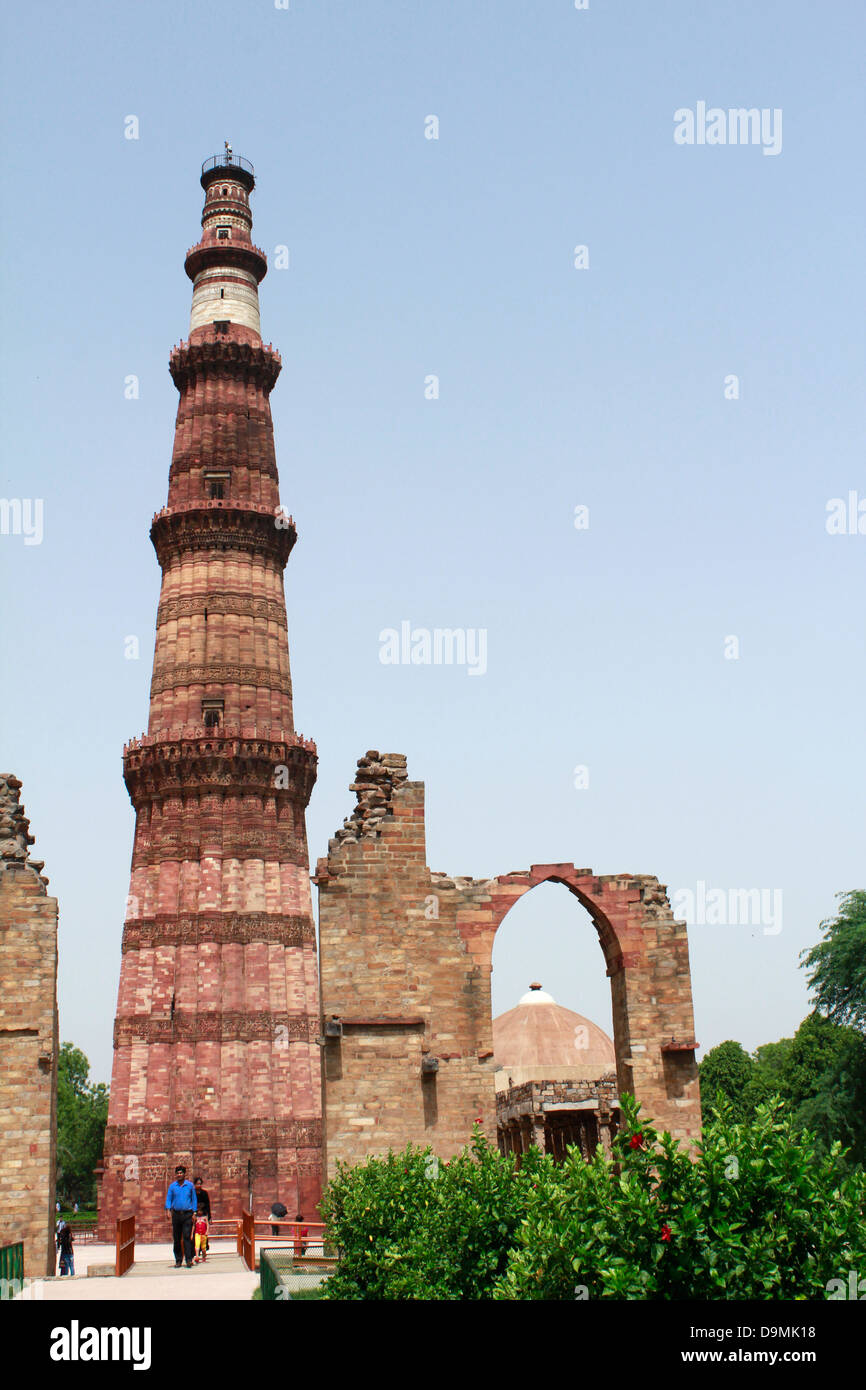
(181, 1203)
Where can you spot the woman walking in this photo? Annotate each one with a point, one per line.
(64, 1247)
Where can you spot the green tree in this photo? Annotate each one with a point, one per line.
(819, 1074)
(82, 1112)
(837, 965)
(825, 1083)
(725, 1073)
(770, 1063)
(829, 1085)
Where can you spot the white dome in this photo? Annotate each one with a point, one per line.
(536, 995)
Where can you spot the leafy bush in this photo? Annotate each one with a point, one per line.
(756, 1214)
(411, 1226)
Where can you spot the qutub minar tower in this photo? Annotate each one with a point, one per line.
(216, 1062)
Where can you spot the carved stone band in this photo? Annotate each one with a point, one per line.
(261, 462)
(234, 1026)
(223, 928)
(214, 1135)
(243, 604)
(272, 847)
(262, 677)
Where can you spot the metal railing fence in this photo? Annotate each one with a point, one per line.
(283, 1276)
(11, 1270)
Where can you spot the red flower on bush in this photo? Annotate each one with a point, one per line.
(666, 1231)
(635, 1141)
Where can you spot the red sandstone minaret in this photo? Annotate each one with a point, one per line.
(216, 1062)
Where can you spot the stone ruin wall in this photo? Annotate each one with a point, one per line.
(29, 1041)
(405, 968)
(602, 1095)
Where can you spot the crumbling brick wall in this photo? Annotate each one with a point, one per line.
(405, 967)
(28, 1041)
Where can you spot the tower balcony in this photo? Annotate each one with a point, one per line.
(225, 356)
(246, 733)
(240, 254)
(210, 526)
(286, 522)
(229, 760)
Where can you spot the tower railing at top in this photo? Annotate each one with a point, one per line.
(227, 161)
(222, 734)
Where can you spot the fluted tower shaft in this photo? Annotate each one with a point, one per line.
(216, 1063)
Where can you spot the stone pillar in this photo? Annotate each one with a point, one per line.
(604, 1128)
(538, 1135)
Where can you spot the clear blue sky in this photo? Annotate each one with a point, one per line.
(558, 387)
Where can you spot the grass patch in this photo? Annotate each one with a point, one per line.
(305, 1295)
(79, 1218)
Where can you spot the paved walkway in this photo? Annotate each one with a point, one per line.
(153, 1276)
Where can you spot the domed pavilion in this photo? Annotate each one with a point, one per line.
(555, 1078)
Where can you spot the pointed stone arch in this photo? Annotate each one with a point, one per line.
(405, 967)
(647, 963)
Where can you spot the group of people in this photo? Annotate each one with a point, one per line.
(188, 1205)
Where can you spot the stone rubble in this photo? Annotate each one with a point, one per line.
(375, 779)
